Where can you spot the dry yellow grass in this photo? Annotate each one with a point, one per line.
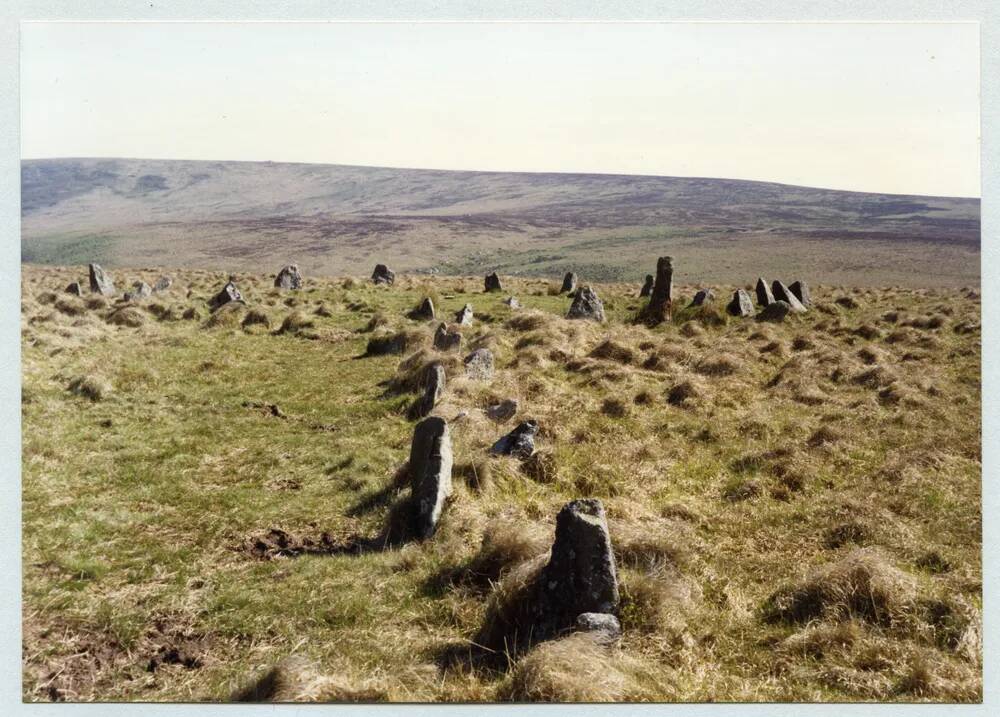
(794, 507)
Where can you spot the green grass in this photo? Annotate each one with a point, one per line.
(135, 530)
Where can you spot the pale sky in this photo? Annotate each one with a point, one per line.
(871, 107)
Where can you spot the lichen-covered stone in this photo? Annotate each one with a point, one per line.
(100, 281)
(430, 473)
(288, 278)
(383, 275)
(741, 304)
(586, 305)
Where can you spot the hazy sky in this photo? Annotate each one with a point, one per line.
(876, 107)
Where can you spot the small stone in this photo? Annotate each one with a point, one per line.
(288, 278)
(502, 411)
(424, 312)
(782, 293)
(606, 627)
(586, 305)
(647, 287)
(433, 382)
(479, 365)
(801, 292)
(139, 290)
(383, 275)
(75, 289)
(445, 340)
(764, 296)
(430, 473)
(229, 293)
(100, 281)
(512, 302)
(492, 282)
(519, 443)
(661, 298)
(741, 305)
(569, 283)
(163, 283)
(775, 311)
(464, 316)
(702, 297)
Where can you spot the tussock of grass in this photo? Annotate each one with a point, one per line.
(227, 316)
(96, 388)
(395, 343)
(613, 351)
(718, 365)
(684, 393)
(127, 316)
(295, 323)
(70, 306)
(295, 680)
(573, 669)
(862, 585)
(256, 317)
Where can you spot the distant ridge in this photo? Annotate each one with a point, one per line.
(335, 219)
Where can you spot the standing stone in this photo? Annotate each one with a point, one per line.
(288, 278)
(581, 576)
(492, 283)
(801, 291)
(764, 295)
(782, 293)
(586, 305)
(433, 382)
(661, 299)
(479, 365)
(139, 290)
(741, 305)
(424, 312)
(383, 275)
(502, 411)
(647, 287)
(163, 283)
(430, 473)
(229, 293)
(702, 297)
(512, 302)
(519, 443)
(569, 283)
(75, 289)
(464, 316)
(775, 311)
(100, 281)
(445, 340)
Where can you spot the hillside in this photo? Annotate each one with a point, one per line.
(335, 220)
(214, 502)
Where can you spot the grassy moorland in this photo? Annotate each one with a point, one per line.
(337, 219)
(794, 507)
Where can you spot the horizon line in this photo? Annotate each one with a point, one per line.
(977, 197)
